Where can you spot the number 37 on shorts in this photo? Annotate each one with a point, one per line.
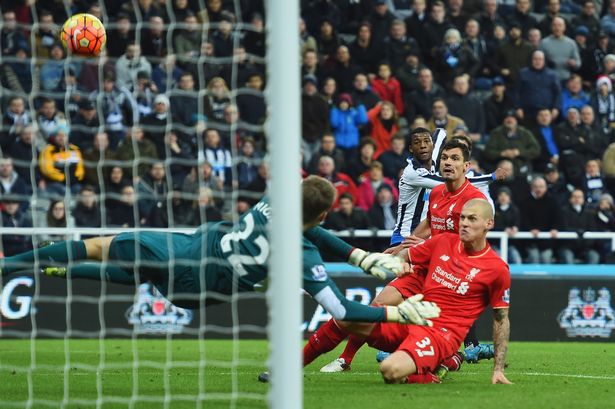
(424, 348)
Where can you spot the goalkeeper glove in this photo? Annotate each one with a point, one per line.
(376, 264)
(413, 311)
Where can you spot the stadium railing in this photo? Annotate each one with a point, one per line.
(504, 239)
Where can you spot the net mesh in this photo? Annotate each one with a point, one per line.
(143, 120)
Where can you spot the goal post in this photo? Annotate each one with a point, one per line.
(284, 132)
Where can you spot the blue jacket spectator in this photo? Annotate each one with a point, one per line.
(573, 95)
(345, 121)
(538, 87)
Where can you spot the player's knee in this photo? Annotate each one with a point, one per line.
(392, 371)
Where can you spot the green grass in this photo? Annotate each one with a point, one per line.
(546, 375)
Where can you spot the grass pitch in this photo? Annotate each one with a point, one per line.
(222, 374)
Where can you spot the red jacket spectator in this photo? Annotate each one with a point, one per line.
(388, 88)
(384, 125)
(369, 187)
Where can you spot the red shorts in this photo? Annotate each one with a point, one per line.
(426, 345)
(408, 285)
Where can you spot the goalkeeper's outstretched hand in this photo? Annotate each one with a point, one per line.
(413, 311)
(378, 264)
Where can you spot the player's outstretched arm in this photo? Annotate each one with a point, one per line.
(501, 336)
(378, 264)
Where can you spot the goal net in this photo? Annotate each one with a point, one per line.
(164, 131)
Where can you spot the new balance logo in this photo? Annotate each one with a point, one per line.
(444, 257)
(434, 206)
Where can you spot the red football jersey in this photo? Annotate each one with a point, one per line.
(461, 283)
(445, 207)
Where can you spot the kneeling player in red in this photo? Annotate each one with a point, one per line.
(462, 275)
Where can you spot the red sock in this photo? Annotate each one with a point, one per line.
(327, 337)
(352, 347)
(423, 378)
(453, 362)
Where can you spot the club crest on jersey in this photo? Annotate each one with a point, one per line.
(444, 257)
(472, 274)
(450, 209)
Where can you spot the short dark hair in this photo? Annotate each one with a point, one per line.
(347, 196)
(453, 144)
(318, 197)
(464, 139)
(418, 131)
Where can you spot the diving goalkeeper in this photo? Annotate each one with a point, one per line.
(221, 259)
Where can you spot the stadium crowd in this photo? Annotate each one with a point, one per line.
(161, 128)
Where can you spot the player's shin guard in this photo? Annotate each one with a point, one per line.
(327, 337)
(57, 253)
(471, 339)
(352, 347)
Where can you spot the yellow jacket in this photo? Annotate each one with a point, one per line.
(53, 162)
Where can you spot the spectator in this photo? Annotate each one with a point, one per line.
(16, 73)
(587, 18)
(203, 175)
(608, 163)
(345, 121)
(199, 211)
(384, 123)
(359, 165)
(320, 11)
(343, 70)
(552, 11)
(497, 104)
(489, 17)
(176, 155)
(251, 104)
(348, 217)
(329, 91)
(153, 41)
(561, 51)
(602, 48)
(119, 36)
(416, 22)
(48, 117)
(534, 38)
(129, 64)
(380, 20)
(15, 118)
(117, 108)
(327, 148)
(166, 74)
(603, 103)
(143, 93)
(423, 97)
(514, 142)
(387, 87)
(85, 125)
(44, 36)
(217, 156)
(394, 160)
(96, 160)
(13, 216)
(522, 15)
(52, 70)
(476, 43)
(605, 215)
(87, 211)
(433, 36)
(310, 65)
(61, 164)
(440, 118)
(328, 40)
(121, 213)
(256, 189)
(315, 116)
(573, 94)
(136, 153)
(152, 195)
(247, 163)
(513, 55)
(12, 38)
(586, 52)
(598, 140)
(398, 45)
(155, 124)
(25, 152)
(143, 9)
(308, 42)
(188, 40)
(12, 184)
(454, 58)
(593, 183)
(540, 213)
(184, 105)
(546, 135)
(507, 219)
(383, 213)
(574, 147)
(608, 20)
(579, 219)
(362, 94)
(370, 185)
(538, 87)
(466, 106)
(407, 74)
(56, 217)
(557, 186)
(341, 181)
(364, 51)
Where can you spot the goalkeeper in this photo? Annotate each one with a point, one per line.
(219, 259)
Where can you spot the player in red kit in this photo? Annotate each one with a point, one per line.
(445, 203)
(462, 275)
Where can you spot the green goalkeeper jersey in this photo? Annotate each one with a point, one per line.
(241, 251)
